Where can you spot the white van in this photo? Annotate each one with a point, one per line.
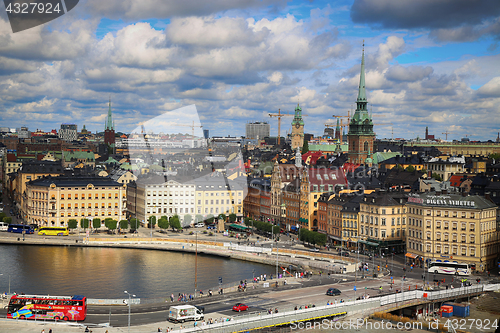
(3, 226)
(199, 225)
(182, 313)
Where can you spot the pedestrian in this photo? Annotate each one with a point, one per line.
(50, 330)
(43, 331)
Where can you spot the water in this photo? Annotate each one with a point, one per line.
(107, 272)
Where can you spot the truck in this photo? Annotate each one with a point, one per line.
(182, 313)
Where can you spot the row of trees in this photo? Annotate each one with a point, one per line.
(262, 226)
(312, 237)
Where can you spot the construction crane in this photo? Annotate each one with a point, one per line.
(279, 115)
(446, 133)
(192, 126)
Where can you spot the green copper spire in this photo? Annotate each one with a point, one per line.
(297, 119)
(362, 91)
(109, 120)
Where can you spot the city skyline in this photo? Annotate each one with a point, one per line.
(427, 64)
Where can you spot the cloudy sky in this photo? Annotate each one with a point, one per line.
(429, 63)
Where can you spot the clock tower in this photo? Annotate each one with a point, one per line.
(297, 129)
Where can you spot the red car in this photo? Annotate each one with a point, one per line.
(240, 307)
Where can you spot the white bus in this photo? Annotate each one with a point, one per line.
(449, 267)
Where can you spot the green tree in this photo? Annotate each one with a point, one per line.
(96, 223)
(72, 224)
(110, 224)
(248, 221)
(495, 156)
(123, 224)
(232, 217)
(436, 177)
(175, 223)
(152, 221)
(84, 223)
(2, 215)
(187, 219)
(305, 147)
(410, 168)
(7, 219)
(198, 218)
(134, 224)
(210, 219)
(163, 222)
(320, 238)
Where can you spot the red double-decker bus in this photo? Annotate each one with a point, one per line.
(47, 307)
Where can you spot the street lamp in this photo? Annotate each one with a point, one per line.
(126, 292)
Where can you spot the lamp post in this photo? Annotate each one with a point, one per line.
(196, 265)
(126, 292)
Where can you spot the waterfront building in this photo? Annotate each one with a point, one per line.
(382, 222)
(291, 200)
(31, 170)
(453, 226)
(155, 195)
(215, 196)
(52, 201)
(361, 135)
(281, 176)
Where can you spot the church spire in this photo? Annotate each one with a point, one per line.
(362, 91)
(109, 120)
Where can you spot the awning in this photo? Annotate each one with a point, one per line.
(411, 255)
(237, 226)
(368, 243)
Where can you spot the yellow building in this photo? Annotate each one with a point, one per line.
(214, 198)
(453, 227)
(382, 222)
(32, 170)
(52, 201)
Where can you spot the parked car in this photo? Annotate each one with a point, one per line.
(333, 292)
(240, 307)
(211, 227)
(199, 225)
(314, 250)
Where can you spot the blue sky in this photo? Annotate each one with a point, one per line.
(428, 63)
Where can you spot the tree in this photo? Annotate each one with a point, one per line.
(110, 224)
(187, 219)
(96, 223)
(2, 215)
(232, 217)
(134, 224)
(410, 168)
(163, 222)
(175, 223)
(247, 221)
(198, 218)
(152, 221)
(210, 219)
(72, 224)
(495, 156)
(123, 224)
(84, 223)
(7, 219)
(436, 177)
(305, 147)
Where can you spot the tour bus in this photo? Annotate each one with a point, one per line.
(47, 307)
(449, 267)
(18, 228)
(53, 231)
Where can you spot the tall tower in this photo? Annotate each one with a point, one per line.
(338, 133)
(109, 129)
(297, 129)
(361, 135)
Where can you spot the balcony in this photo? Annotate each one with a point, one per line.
(52, 200)
(52, 210)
